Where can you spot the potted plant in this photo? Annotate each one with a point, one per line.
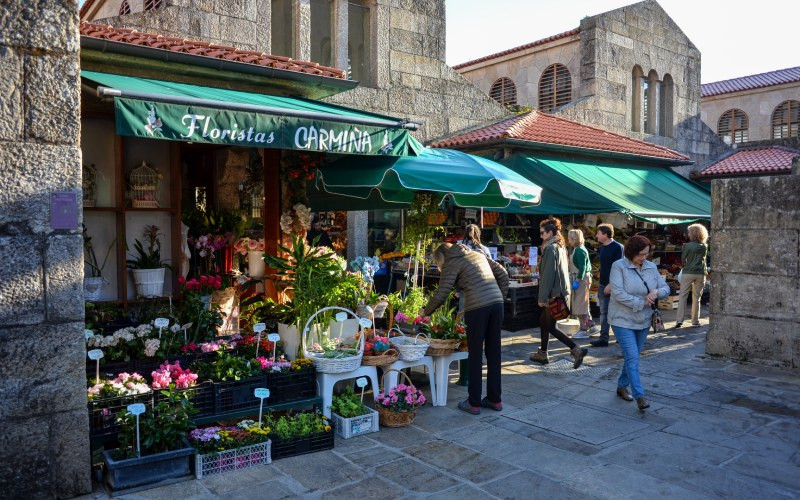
(351, 417)
(106, 398)
(397, 407)
(298, 434)
(222, 449)
(93, 284)
(147, 266)
(445, 331)
(164, 452)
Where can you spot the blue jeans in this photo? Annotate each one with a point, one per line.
(602, 300)
(632, 343)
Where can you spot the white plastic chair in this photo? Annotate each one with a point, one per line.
(442, 372)
(391, 377)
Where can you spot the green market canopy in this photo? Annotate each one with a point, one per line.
(158, 109)
(655, 194)
(472, 181)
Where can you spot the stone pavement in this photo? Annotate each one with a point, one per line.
(715, 429)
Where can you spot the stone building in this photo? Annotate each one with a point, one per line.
(630, 71)
(43, 420)
(394, 48)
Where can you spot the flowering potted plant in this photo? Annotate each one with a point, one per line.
(254, 250)
(147, 266)
(298, 434)
(398, 406)
(351, 417)
(203, 286)
(109, 397)
(222, 449)
(445, 330)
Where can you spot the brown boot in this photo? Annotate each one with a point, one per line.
(624, 394)
(642, 404)
(540, 356)
(578, 353)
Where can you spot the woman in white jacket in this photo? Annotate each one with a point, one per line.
(636, 286)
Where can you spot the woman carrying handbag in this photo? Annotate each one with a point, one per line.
(554, 292)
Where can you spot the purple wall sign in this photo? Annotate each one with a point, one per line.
(64, 210)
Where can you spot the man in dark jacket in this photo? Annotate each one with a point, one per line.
(484, 284)
(610, 252)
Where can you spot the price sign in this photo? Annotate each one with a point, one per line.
(533, 256)
(259, 327)
(362, 383)
(88, 333)
(470, 213)
(261, 393)
(274, 338)
(95, 355)
(341, 316)
(160, 323)
(364, 322)
(137, 409)
(493, 252)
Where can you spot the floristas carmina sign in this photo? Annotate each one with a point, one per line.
(177, 122)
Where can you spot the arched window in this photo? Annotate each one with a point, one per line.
(666, 94)
(650, 106)
(637, 83)
(732, 126)
(152, 4)
(124, 8)
(504, 91)
(555, 88)
(786, 120)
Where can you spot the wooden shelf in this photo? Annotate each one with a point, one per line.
(101, 209)
(133, 209)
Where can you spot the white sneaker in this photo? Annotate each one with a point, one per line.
(581, 334)
(594, 331)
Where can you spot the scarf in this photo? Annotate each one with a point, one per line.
(555, 239)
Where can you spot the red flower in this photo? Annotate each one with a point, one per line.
(294, 174)
(181, 280)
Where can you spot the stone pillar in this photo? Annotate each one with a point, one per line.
(44, 429)
(357, 234)
(302, 30)
(340, 31)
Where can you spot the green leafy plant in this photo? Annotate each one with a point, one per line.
(150, 258)
(297, 426)
(419, 233)
(226, 368)
(161, 429)
(95, 268)
(415, 299)
(348, 404)
(204, 320)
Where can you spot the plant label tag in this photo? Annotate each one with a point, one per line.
(259, 327)
(369, 309)
(161, 322)
(261, 393)
(361, 381)
(95, 354)
(341, 316)
(365, 323)
(273, 337)
(186, 326)
(136, 408)
(88, 333)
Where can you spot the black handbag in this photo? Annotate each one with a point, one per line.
(655, 321)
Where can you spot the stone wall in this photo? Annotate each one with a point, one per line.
(758, 104)
(44, 437)
(755, 261)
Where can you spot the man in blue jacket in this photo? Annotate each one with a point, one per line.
(610, 252)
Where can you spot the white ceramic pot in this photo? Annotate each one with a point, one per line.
(290, 336)
(255, 264)
(149, 282)
(92, 288)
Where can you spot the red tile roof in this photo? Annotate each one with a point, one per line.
(769, 160)
(539, 127)
(761, 80)
(520, 48)
(206, 49)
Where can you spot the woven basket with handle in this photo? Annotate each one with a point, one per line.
(387, 357)
(389, 418)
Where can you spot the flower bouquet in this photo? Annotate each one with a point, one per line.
(397, 407)
(222, 449)
(254, 250)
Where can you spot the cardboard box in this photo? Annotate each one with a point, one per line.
(669, 303)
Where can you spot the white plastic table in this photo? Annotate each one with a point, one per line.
(328, 380)
(427, 361)
(441, 367)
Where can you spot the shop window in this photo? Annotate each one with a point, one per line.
(637, 86)
(358, 43)
(282, 29)
(786, 120)
(153, 4)
(555, 88)
(124, 8)
(321, 29)
(504, 91)
(666, 93)
(732, 126)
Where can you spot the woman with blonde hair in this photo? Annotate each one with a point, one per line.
(580, 270)
(693, 274)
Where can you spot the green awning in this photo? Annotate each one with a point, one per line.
(655, 194)
(158, 109)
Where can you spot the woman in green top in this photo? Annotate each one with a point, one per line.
(580, 270)
(693, 274)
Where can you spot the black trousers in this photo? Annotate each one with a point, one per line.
(547, 326)
(483, 327)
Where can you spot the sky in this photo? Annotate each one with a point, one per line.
(735, 37)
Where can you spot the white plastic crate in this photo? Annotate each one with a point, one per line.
(228, 460)
(356, 426)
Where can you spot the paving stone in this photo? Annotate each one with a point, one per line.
(415, 476)
(441, 419)
(767, 467)
(319, 470)
(715, 429)
(343, 446)
(721, 483)
(460, 493)
(222, 484)
(372, 487)
(274, 490)
(373, 457)
(187, 489)
(460, 461)
(526, 484)
(402, 437)
(614, 481)
(672, 386)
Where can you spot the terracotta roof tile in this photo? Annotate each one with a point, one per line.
(770, 160)
(520, 48)
(761, 80)
(206, 49)
(539, 127)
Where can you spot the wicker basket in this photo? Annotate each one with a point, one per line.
(410, 349)
(390, 418)
(463, 346)
(385, 358)
(332, 365)
(439, 347)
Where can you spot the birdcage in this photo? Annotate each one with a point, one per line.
(144, 187)
(89, 185)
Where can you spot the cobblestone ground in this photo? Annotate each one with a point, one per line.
(715, 429)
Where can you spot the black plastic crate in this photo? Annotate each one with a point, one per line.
(301, 446)
(238, 395)
(144, 367)
(292, 386)
(103, 413)
(201, 396)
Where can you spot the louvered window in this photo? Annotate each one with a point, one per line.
(504, 91)
(124, 8)
(786, 120)
(732, 126)
(555, 88)
(152, 4)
